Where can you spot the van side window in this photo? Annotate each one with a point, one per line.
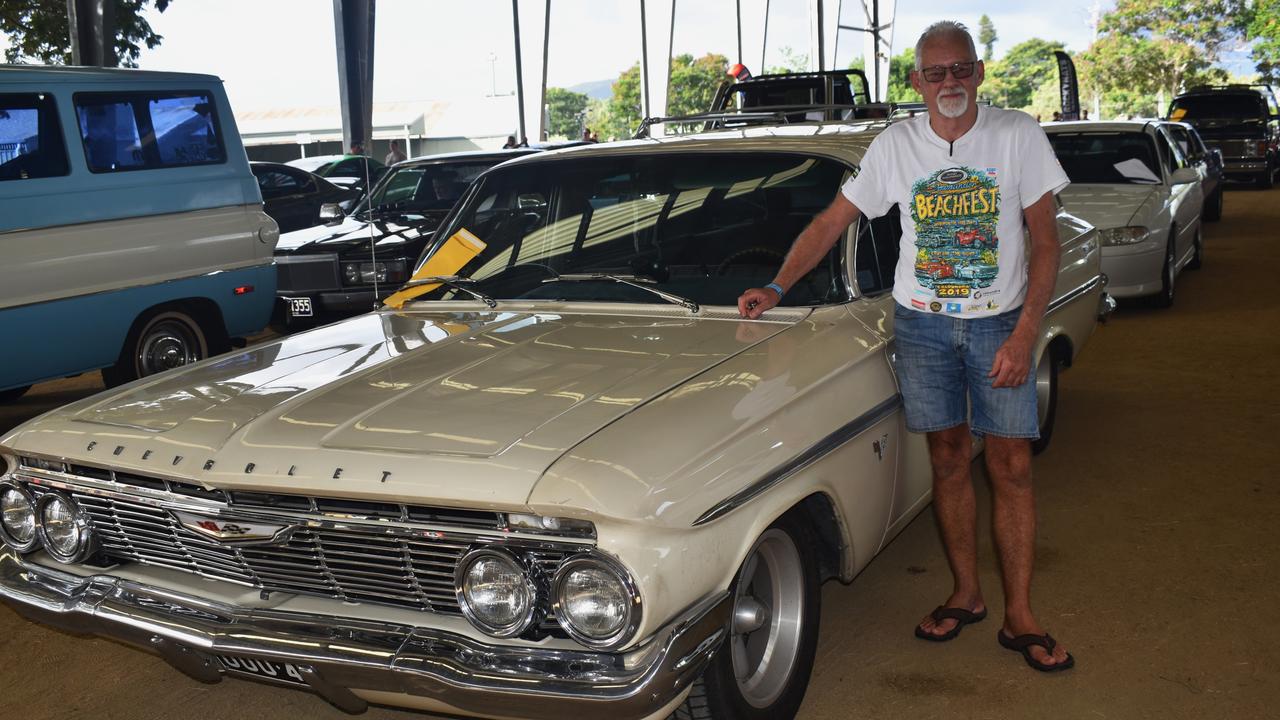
(31, 143)
(139, 131)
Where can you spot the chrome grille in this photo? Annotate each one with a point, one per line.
(348, 564)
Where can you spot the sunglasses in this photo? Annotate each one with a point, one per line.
(959, 71)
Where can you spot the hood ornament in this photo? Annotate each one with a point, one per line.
(233, 531)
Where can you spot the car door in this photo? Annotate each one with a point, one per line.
(1192, 154)
(1185, 199)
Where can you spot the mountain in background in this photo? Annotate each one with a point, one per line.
(596, 89)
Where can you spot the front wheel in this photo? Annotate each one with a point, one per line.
(1213, 208)
(1046, 399)
(1197, 247)
(161, 341)
(1168, 275)
(762, 670)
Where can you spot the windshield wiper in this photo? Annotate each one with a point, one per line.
(456, 283)
(635, 281)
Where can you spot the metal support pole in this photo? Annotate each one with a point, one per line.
(353, 27)
(515, 19)
(822, 37)
(875, 42)
(738, 7)
(93, 32)
(546, 50)
(644, 63)
(835, 51)
(764, 38)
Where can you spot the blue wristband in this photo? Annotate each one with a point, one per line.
(776, 288)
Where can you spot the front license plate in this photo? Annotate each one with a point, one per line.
(299, 307)
(266, 669)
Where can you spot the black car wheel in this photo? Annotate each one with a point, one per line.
(1197, 245)
(1168, 274)
(762, 669)
(1046, 398)
(160, 341)
(1265, 180)
(1213, 208)
(13, 393)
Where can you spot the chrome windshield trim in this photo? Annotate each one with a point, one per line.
(1075, 293)
(824, 446)
(344, 653)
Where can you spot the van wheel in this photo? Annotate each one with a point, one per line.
(13, 393)
(1046, 398)
(161, 341)
(762, 669)
(1265, 180)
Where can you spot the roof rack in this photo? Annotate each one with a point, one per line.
(766, 115)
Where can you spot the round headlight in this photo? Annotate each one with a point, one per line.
(18, 522)
(596, 602)
(64, 528)
(495, 592)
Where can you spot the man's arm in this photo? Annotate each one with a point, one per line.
(1013, 359)
(809, 248)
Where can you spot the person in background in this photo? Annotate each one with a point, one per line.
(1057, 116)
(396, 155)
(357, 147)
(511, 143)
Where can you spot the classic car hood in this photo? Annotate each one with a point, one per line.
(1106, 206)
(457, 408)
(354, 233)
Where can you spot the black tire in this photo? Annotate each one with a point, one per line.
(1213, 208)
(1266, 180)
(161, 340)
(769, 691)
(12, 394)
(1168, 274)
(1046, 398)
(1197, 246)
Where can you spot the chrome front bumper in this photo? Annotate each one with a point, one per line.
(340, 657)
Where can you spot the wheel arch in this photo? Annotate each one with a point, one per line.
(201, 309)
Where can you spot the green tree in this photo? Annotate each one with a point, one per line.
(986, 36)
(39, 30)
(1262, 27)
(792, 62)
(565, 112)
(694, 83)
(1012, 80)
(900, 67)
(620, 116)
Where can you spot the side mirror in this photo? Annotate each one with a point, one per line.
(1182, 176)
(330, 212)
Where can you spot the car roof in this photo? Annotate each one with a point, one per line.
(505, 154)
(1100, 125)
(76, 73)
(843, 141)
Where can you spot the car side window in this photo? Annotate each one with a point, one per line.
(1169, 157)
(140, 130)
(303, 180)
(1183, 142)
(31, 143)
(275, 183)
(876, 252)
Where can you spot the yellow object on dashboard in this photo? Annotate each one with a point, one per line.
(455, 253)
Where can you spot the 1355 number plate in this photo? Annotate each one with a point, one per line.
(299, 307)
(266, 669)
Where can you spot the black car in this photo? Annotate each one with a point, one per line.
(345, 268)
(359, 172)
(293, 197)
(1239, 120)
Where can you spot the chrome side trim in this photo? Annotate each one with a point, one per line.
(344, 654)
(824, 446)
(1075, 293)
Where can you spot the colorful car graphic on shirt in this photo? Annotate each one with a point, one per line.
(956, 212)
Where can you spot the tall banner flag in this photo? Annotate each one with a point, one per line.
(1067, 86)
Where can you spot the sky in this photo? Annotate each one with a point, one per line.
(281, 53)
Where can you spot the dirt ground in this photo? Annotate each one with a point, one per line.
(1157, 561)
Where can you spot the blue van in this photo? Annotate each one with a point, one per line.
(132, 234)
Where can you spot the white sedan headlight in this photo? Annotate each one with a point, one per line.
(496, 592)
(596, 602)
(1131, 235)
(65, 529)
(18, 522)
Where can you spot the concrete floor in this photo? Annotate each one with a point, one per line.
(1157, 561)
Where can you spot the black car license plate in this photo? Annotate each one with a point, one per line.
(299, 307)
(265, 669)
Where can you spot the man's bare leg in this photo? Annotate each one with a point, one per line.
(954, 506)
(1014, 521)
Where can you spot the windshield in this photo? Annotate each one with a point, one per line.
(423, 189)
(700, 226)
(1219, 106)
(1108, 158)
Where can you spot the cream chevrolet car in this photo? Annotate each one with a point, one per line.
(1131, 180)
(557, 476)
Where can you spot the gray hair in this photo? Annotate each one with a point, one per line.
(944, 28)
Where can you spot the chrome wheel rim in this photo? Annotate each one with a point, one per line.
(167, 345)
(1044, 389)
(767, 619)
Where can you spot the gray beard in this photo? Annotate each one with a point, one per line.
(953, 106)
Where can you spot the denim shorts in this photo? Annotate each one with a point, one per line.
(943, 366)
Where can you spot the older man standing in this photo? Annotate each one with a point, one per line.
(962, 174)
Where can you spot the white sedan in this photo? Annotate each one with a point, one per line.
(1135, 185)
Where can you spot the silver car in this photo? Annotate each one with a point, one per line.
(1132, 182)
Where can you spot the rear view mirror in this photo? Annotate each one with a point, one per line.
(330, 212)
(1182, 176)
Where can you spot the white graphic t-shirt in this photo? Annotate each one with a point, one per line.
(962, 251)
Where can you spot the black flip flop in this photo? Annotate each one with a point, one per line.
(1024, 643)
(960, 615)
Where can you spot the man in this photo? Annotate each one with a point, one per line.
(396, 155)
(965, 178)
(510, 143)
